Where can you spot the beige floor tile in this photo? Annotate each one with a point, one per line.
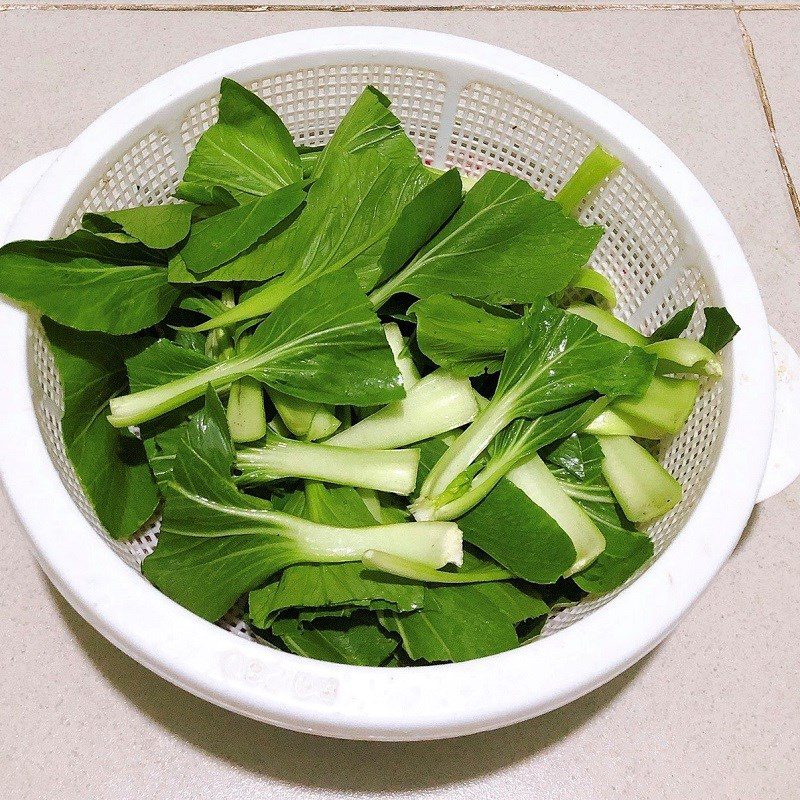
(342, 6)
(776, 41)
(712, 713)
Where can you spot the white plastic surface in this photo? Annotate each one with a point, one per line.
(17, 185)
(473, 106)
(783, 466)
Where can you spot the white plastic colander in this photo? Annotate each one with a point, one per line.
(468, 105)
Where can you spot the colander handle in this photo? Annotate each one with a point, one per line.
(783, 466)
(14, 188)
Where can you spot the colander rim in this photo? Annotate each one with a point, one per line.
(363, 702)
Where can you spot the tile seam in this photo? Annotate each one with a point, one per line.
(767, 109)
(394, 8)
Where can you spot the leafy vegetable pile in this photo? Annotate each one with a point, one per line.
(367, 401)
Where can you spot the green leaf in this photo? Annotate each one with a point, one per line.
(335, 505)
(674, 326)
(506, 244)
(523, 438)
(88, 282)
(207, 575)
(580, 456)
(626, 549)
(368, 122)
(158, 227)
(351, 211)
(458, 623)
(516, 444)
(162, 362)
(249, 152)
(324, 345)
(358, 642)
(430, 451)
(205, 446)
(330, 586)
(190, 340)
(577, 464)
(466, 337)
(556, 359)
(327, 586)
(218, 239)
(418, 222)
(161, 448)
(111, 467)
(518, 534)
(720, 328)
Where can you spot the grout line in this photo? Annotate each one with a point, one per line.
(392, 7)
(765, 104)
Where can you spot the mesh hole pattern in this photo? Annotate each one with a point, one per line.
(492, 128)
(145, 175)
(312, 102)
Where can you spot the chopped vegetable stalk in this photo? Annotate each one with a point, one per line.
(685, 355)
(615, 423)
(643, 488)
(592, 281)
(666, 404)
(439, 403)
(662, 410)
(608, 324)
(517, 443)
(554, 360)
(328, 322)
(535, 479)
(392, 471)
(308, 421)
(247, 419)
(402, 356)
(594, 169)
(404, 568)
(674, 355)
(431, 543)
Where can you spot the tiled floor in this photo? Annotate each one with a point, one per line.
(714, 712)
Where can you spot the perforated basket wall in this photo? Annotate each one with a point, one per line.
(641, 252)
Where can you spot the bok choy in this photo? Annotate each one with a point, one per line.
(386, 410)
